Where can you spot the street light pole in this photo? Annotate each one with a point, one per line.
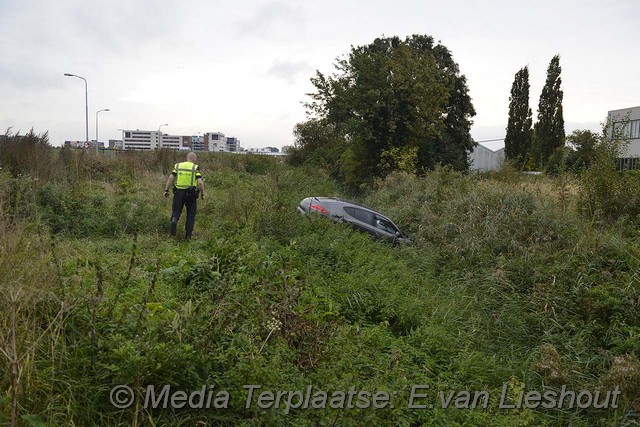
(86, 106)
(160, 135)
(97, 140)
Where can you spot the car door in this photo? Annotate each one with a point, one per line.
(385, 228)
(362, 220)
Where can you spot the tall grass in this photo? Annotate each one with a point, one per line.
(509, 281)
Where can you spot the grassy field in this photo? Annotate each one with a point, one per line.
(514, 283)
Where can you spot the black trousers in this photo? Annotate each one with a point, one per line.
(182, 198)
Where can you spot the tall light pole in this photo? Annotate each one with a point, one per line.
(97, 140)
(86, 105)
(160, 135)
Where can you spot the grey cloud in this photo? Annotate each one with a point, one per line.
(74, 28)
(287, 70)
(29, 76)
(274, 19)
(127, 26)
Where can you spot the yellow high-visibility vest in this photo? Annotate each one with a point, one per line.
(187, 175)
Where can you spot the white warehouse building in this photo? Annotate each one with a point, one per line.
(483, 158)
(629, 158)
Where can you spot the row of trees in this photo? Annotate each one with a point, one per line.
(404, 105)
(391, 105)
(528, 146)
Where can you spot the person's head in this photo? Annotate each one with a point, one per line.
(191, 157)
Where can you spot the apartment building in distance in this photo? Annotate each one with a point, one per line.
(154, 140)
(215, 141)
(170, 141)
(630, 117)
(197, 143)
(233, 144)
(140, 139)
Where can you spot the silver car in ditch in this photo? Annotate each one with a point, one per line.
(358, 216)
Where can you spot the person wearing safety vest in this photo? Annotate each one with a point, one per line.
(188, 184)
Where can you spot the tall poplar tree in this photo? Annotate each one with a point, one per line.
(549, 130)
(517, 143)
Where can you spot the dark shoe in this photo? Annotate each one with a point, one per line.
(174, 228)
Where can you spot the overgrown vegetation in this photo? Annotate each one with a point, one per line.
(528, 281)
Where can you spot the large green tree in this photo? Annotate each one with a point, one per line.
(584, 147)
(392, 104)
(549, 130)
(517, 142)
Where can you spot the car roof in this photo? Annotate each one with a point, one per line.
(338, 199)
(351, 202)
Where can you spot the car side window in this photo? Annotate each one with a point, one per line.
(360, 214)
(349, 211)
(385, 225)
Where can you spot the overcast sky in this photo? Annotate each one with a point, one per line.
(242, 67)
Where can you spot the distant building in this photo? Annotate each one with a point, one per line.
(83, 144)
(629, 159)
(74, 144)
(483, 158)
(139, 139)
(233, 144)
(197, 143)
(153, 140)
(187, 143)
(115, 143)
(169, 141)
(149, 140)
(215, 141)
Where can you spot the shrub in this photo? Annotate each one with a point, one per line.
(607, 194)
